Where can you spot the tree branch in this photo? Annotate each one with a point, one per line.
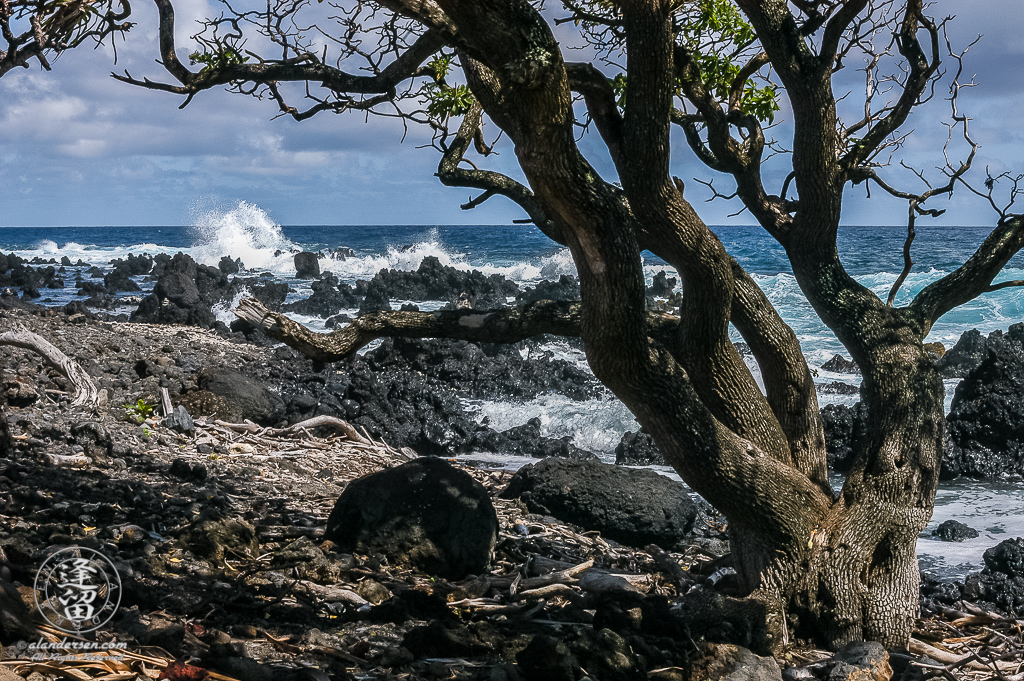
(506, 325)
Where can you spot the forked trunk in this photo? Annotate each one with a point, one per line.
(857, 576)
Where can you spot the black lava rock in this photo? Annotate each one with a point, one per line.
(986, 420)
(566, 288)
(846, 432)
(424, 514)
(633, 506)
(307, 266)
(246, 398)
(638, 449)
(953, 530)
(1001, 583)
(840, 365)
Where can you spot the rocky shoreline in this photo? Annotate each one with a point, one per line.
(413, 392)
(217, 532)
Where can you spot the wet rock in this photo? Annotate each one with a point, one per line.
(662, 285)
(434, 281)
(219, 539)
(1001, 582)
(986, 419)
(846, 432)
(638, 449)
(306, 265)
(526, 440)
(566, 288)
(836, 388)
(376, 298)
(424, 514)
(229, 266)
(497, 372)
(953, 530)
(175, 300)
(632, 506)
(120, 279)
(329, 297)
(246, 397)
(840, 365)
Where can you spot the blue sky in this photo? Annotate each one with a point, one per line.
(79, 148)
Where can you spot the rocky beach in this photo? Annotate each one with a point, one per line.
(255, 537)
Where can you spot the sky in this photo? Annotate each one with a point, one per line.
(79, 148)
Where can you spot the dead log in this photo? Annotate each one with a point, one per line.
(322, 422)
(86, 394)
(504, 325)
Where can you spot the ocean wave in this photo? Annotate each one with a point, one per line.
(246, 232)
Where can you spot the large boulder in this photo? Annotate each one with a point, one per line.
(632, 506)
(424, 514)
(307, 266)
(1001, 583)
(246, 398)
(986, 419)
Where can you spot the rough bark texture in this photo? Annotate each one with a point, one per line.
(837, 567)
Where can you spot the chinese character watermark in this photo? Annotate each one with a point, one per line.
(77, 590)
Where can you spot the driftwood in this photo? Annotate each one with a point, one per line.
(86, 394)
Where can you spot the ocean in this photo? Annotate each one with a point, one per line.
(873, 255)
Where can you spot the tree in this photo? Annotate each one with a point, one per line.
(43, 29)
(840, 567)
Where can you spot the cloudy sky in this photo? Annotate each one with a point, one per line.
(79, 148)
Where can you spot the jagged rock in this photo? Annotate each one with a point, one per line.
(638, 449)
(424, 514)
(632, 506)
(434, 281)
(229, 266)
(376, 297)
(952, 530)
(526, 440)
(1001, 583)
(307, 266)
(328, 298)
(499, 372)
(986, 419)
(840, 365)
(246, 398)
(846, 431)
(662, 285)
(973, 348)
(566, 288)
